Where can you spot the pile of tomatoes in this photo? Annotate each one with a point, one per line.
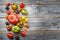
(15, 23)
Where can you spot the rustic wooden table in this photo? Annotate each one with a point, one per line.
(43, 19)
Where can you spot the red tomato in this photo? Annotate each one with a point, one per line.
(10, 35)
(8, 12)
(22, 5)
(13, 18)
(9, 28)
(22, 33)
(7, 3)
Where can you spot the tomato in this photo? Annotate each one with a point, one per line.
(14, 6)
(22, 33)
(15, 29)
(7, 3)
(10, 35)
(9, 28)
(13, 18)
(17, 38)
(8, 12)
(22, 5)
(25, 24)
(24, 12)
(7, 8)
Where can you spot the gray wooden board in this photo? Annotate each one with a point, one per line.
(32, 1)
(38, 23)
(37, 10)
(37, 35)
(42, 15)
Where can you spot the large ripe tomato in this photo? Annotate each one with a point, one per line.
(22, 5)
(22, 33)
(10, 35)
(13, 18)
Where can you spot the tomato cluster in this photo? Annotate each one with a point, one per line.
(17, 22)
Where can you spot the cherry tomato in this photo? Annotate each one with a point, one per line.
(7, 8)
(7, 3)
(13, 18)
(8, 12)
(14, 6)
(22, 33)
(7, 23)
(25, 28)
(9, 28)
(22, 5)
(10, 35)
(25, 24)
(17, 38)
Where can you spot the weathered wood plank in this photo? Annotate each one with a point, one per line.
(19, 1)
(32, 1)
(37, 35)
(37, 10)
(38, 23)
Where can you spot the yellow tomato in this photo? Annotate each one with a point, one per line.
(21, 22)
(24, 28)
(25, 24)
(23, 17)
(14, 6)
(18, 24)
(26, 20)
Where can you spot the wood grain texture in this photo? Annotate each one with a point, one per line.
(37, 11)
(38, 23)
(37, 35)
(43, 19)
(49, 2)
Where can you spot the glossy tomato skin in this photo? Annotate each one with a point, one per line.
(10, 35)
(8, 12)
(22, 33)
(22, 5)
(9, 28)
(13, 18)
(7, 3)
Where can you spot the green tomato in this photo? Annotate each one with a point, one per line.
(15, 29)
(24, 11)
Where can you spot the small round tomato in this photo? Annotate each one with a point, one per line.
(22, 5)
(14, 6)
(15, 29)
(8, 12)
(24, 12)
(7, 8)
(7, 3)
(13, 18)
(25, 24)
(10, 35)
(9, 28)
(17, 37)
(22, 33)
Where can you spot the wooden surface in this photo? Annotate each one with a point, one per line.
(43, 19)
